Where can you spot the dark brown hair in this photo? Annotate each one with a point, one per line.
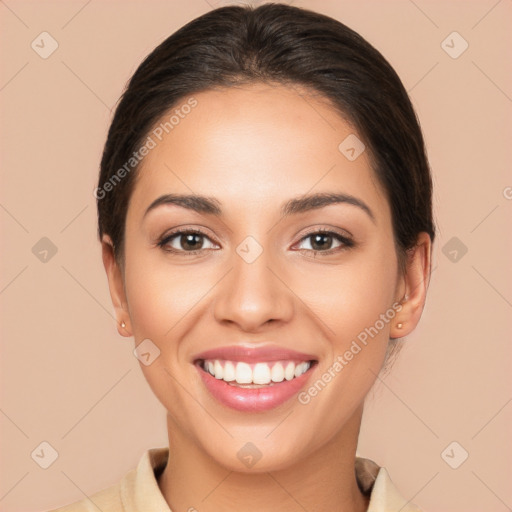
(275, 43)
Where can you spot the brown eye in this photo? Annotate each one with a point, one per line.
(186, 241)
(321, 241)
(326, 241)
(191, 241)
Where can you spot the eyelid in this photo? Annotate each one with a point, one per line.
(326, 229)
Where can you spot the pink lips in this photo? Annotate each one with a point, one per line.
(252, 399)
(253, 355)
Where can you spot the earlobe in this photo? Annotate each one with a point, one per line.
(123, 329)
(116, 287)
(416, 280)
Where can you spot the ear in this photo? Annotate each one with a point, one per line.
(414, 286)
(116, 286)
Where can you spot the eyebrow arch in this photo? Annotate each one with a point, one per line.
(200, 204)
(211, 206)
(320, 200)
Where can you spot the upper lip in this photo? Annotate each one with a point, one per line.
(249, 354)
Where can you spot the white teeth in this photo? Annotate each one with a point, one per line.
(258, 374)
(289, 371)
(301, 368)
(261, 374)
(229, 372)
(277, 373)
(243, 373)
(219, 371)
(306, 365)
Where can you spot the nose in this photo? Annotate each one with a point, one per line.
(253, 295)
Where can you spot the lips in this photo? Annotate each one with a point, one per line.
(253, 355)
(264, 377)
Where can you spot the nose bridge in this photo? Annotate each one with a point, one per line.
(251, 294)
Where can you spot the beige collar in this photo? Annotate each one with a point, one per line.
(140, 491)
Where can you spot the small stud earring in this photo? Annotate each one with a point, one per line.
(123, 325)
(399, 326)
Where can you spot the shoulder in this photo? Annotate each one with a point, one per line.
(137, 490)
(107, 499)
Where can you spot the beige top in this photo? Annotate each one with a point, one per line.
(138, 490)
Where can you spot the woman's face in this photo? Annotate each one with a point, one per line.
(254, 294)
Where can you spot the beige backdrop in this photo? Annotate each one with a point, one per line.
(69, 380)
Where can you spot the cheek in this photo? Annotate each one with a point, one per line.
(351, 297)
(159, 298)
(160, 295)
(353, 305)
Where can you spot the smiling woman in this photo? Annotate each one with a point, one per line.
(265, 254)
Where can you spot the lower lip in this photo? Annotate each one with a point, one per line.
(253, 399)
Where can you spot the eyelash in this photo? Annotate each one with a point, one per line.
(347, 242)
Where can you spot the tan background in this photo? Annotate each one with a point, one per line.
(69, 379)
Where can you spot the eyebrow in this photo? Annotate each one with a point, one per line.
(302, 204)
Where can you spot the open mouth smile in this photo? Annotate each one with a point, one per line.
(254, 380)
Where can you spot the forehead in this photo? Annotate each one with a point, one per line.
(253, 145)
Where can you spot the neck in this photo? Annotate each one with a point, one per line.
(323, 481)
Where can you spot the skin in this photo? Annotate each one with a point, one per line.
(253, 148)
